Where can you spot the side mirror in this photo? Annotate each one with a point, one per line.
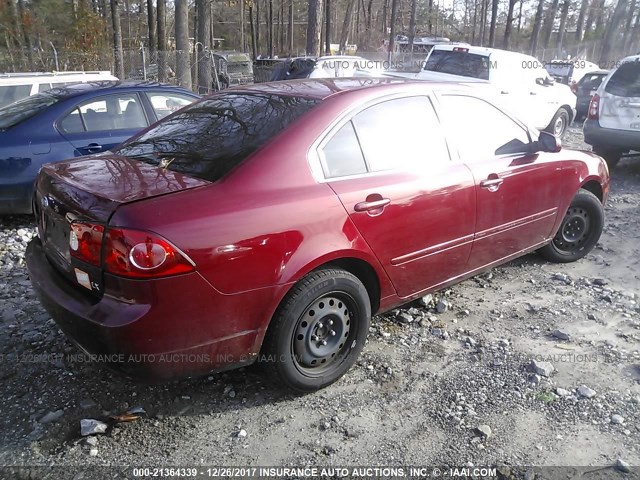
(547, 142)
(545, 81)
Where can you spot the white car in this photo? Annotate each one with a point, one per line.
(16, 86)
(517, 81)
(612, 127)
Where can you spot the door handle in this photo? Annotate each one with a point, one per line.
(373, 205)
(532, 93)
(92, 148)
(491, 184)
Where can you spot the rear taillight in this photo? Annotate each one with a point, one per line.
(126, 252)
(137, 254)
(574, 87)
(594, 106)
(85, 242)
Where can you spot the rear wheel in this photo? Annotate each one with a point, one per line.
(559, 123)
(580, 230)
(610, 155)
(318, 331)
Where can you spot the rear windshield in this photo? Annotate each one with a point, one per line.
(458, 63)
(12, 93)
(14, 113)
(625, 81)
(211, 137)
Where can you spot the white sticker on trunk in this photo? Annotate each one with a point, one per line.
(83, 278)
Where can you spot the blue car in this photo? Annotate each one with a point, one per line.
(72, 121)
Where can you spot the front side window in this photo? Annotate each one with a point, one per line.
(481, 130)
(625, 81)
(109, 112)
(209, 138)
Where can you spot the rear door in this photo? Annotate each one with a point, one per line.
(515, 190)
(101, 123)
(389, 164)
(620, 100)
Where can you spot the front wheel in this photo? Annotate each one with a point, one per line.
(580, 230)
(318, 331)
(559, 123)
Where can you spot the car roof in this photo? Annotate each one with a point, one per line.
(486, 51)
(322, 88)
(76, 89)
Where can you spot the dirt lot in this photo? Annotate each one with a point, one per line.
(423, 385)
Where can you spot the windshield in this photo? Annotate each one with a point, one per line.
(211, 137)
(14, 113)
(458, 63)
(558, 69)
(625, 81)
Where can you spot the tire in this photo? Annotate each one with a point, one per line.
(579, 232)
(559, 123)
(610, 155)
(325, 301)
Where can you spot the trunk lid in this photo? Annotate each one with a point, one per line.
(90, 189)
(620, 99)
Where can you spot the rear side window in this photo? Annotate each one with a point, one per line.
(341, 156)
(625, 81)
(591, 81)
(110, 112)
(458, 63)
(211, 137)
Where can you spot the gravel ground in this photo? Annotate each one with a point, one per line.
(447, 381)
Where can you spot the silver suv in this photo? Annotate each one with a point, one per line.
(612, 127)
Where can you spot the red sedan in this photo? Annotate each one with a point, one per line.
(271, 221)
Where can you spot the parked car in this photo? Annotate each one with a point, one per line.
(71, 121)
(570, 71)
(331, 66)
(514, 79)
(232, 68)
(585, 89)
(271, 221)
(16, 86)
(612, 127)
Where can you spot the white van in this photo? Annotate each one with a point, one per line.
(15, 86)
(518, 81)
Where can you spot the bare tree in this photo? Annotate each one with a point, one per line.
(117, 39)
(612, 30)
(203, 13)
(494, 18)
(314, 28)
(151, 26)
(290, 28)
(626, 36)
(584, 6)
(162, 40)
(346, 24)
(537, 23)
(392, 29)
(25, 33)
(509, 24)
(327, 28)
(547, 27)
(254, 47)
(183, 65)
(563, 24)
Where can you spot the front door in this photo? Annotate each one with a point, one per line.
(515, 194)
(390, 167)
